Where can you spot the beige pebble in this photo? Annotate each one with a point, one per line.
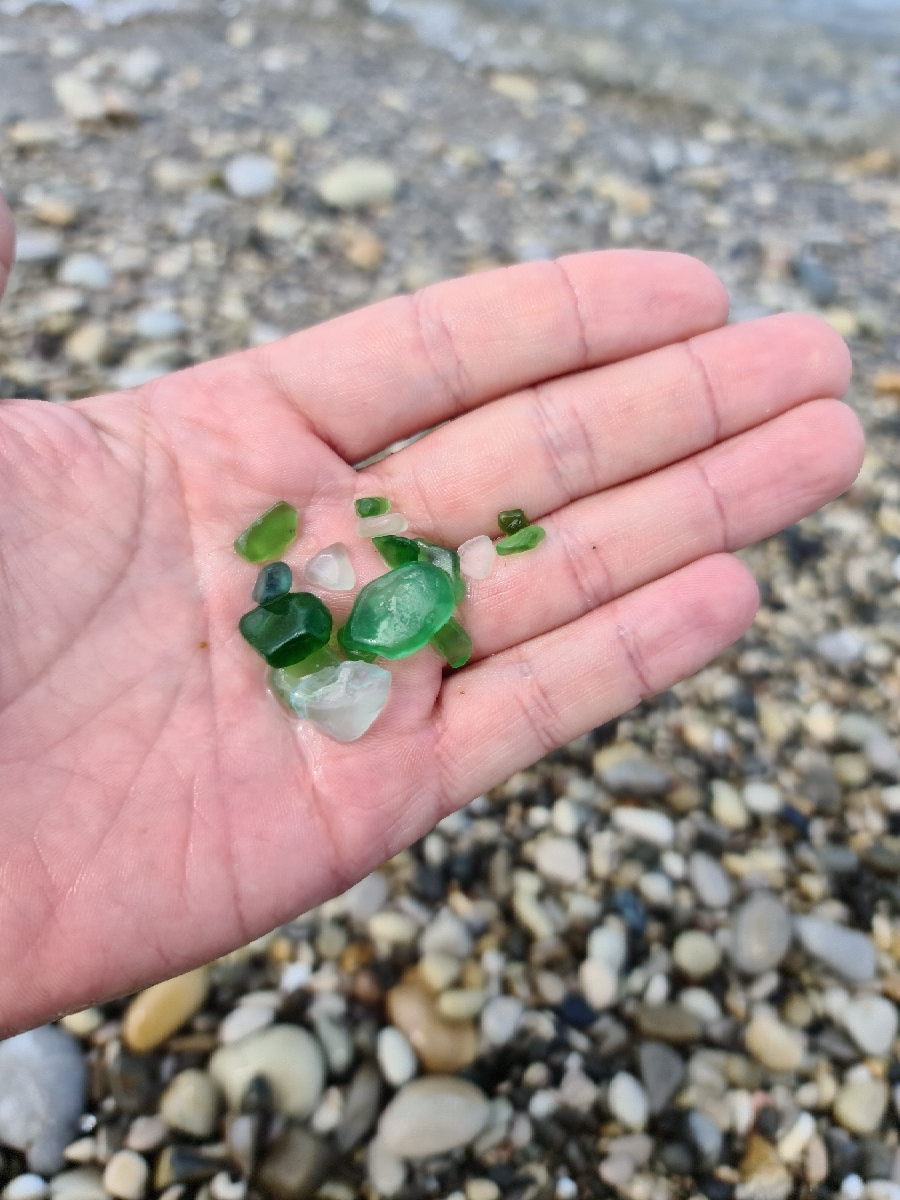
(156, 1013)
(126, 1174)
(442, 1045)
(777, 1046)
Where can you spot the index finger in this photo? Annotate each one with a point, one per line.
(369, 378)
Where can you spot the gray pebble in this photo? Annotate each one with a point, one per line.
(42, 1083)
(760, 933)
(847, 951)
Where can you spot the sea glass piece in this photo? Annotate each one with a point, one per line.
(282, 679)
(400, 612)
(397, 550)
(385, 523)
(447, 560)
(525, 539)
(453, 643)
(372, 506)
(274, 580)
(289, 629)
(331, 569)
(511, 520)
(269, 535)
(354, 652)
(477, 557)
(342, 700)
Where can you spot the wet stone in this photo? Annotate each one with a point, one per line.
(184, 1164)
(667, 1023)
(872, 1023)
(400, 612)
(288, 1058)
(861, 1101)
(269, 535)
(288, 629)
(524, 540)
(441, 1045)
(42, 1084)
(627, 1101)
(190, 1103)
(294, 1165)
(710, 881)
(330, 569)
(126, 1175)
(274, 580)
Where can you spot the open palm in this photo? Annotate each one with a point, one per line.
(158, 807)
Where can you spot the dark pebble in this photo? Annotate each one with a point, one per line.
(257, 1097)
(795, 819)
(815, 279)
(631, 910)
(715, 1189)
(676, 1157)
(837, 860)
(843, 1155)
(767, 1121)
(131, 1080)
(576, 1011)
(820, 787)
(876, 1159)
(801, 549)
(430, 882)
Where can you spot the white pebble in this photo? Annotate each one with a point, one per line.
(126, 1174)
(560, 859)
(617, 1170)
(357, 183)
(709, 880)
(500, 1019)
(646, 824)
(157, 324)
(793, 1143)
(872, 1023)
(85, 271)
(762, 798)
(727, 807)
(382, 526)
(607, 943)
(627, 1101)
(223, 1187)
(696, 953)
(656, 888)
(331, 569)
(27, 1187)
(396, 1057)
(852, 1187)
(701, 1003)
(387, 1172)
(599, 983)
(251, 175)
(244, 1020)
(146, 1134)
(477, 557)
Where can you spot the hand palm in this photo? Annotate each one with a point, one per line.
(158, 807)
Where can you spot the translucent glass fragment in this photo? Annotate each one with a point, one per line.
(453, 643)
(511, 520)
(282, 679)
(289, 629)
(372, 506)
(331, 569)
(399, 612)
(525, 539)
(446, 560)
(269, 535)
(274, 580)
(396, 550)
(342, 701)
(386, 523)
(477, 557)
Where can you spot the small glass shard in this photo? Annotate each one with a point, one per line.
(269, 535)
(289, 629)
(342, 701)
(453, 643)
(511, 520)
(370, 527)
(274, 580)
(525, 539)
(372, 506)
(331, 569)
(399, 612)
(397, 550)
(446, 560)
(477, 557)
(282, 679)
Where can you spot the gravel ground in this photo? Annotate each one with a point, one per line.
(665, 961)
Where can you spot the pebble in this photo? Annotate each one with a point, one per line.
(762, 799)
(841, 648)
(244, 1020)
(433, 1116)
(727, 806)
(146, 1134)
(617, 1170)
(190, 1103)
(386, 1171)
(709, 880)
(42, 1088)
(608, 944)
(366, 898)
(861, 1101)
(872, 1023)
(82, 1183)
(599, 983)
(667, 1023)
(848, 952)
(760, 933)
(380, 526)
(462, 1004)
(695, 953)
(251, 175)
(777, 1046)
(288, 1057)
(38, 247)
(157, 324)
(396, 1057)
(627, 1101)
(702, 1003)
(358, 183)
(441, 1045)
(439, 971)
(156, 1013)
(361, 1103)
(446, 934)
(792, 1144)
(500, 1020)
(85, 271)
(706, 1136)
(632, 775)
(646, 824)
(331, 569)
(561, 860)
(27, 1186)
(477, 557)
(314, 120)
(482, 1189)
(126, 1175)
(293, 1165)
(662, 1073)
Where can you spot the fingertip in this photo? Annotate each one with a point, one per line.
(727, 596)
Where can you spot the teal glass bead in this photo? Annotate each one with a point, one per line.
(453, 643)
(269, 535)
(446, 560)
(289, 629)
(372, 506)
(274, 580)
(400, 612)
(525, 539)
(511, 520)
(396, 550)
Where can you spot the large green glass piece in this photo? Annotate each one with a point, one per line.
(396, 550)
(446, 560)
(453, 643)
(282, 679)
(372, 506)
(274, 580)
(400, 612)
(518, 543)
(511, 520)
(269, 535)
(289, 629)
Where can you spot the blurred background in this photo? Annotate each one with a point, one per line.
(663, 963)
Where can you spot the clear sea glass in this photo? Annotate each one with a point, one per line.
(342, 700)
(331, 569)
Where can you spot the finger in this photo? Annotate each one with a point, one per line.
(543, 448)
(727, 497)
(7, 243)
(511, 708)
(371, 377)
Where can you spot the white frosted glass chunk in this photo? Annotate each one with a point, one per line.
(381, 526)
(477, 557)
(342, 701)
(331, 569)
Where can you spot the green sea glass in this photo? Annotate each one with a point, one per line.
(372, 506)
(400, 612)
(352, 652)
(282, 679)
(511, 520)
(453, 643)
(446, 560)
(396, 550)
(274, 580)
(289, 629)
(269, 535)
(518, 543)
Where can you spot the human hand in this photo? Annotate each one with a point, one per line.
(158, 807)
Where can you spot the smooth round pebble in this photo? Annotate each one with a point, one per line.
(433, 1116)
(126, 1175)
(155, 1014)
(777, 1046)
(627, 1101)
(696, 953)
(760, 933)
(608, 944)
(250, 175)
(157, 324)
(599, 983)
(500, 1019)
(709, 880)
(872, 1023)
(482, 1189)
(860, 1101)
(85, 271)
(244, 1020)
(645, 824)
(27, 1186)
(190, 1103)
(727, 807)
(358, 183)
(763, 799)
(560, 860)
(848, 952)
(290, 1059)
(146, 1134)
(386, 1171)
(396, 1057)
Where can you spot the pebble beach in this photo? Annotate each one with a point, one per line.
(663, 963)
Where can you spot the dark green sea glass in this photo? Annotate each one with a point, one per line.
(274, 580)
(453, 643)
(518, 543)
(372, 506)
(446, 560)
(511, 520)
(353, 652)
(396, 550)
(400, 612)
(289, 629)
(269, 535)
